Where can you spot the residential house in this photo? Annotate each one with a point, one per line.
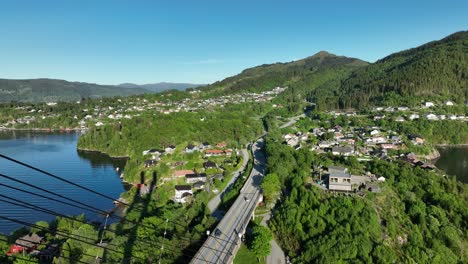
(214, 152)
(209, 165)
(199, 185)
(221, 145)
(428, 104)
(192, 178)
(205, 145)
(413, 116)
(338, 181)
(292, 141)
(228, 152)
(449, 103)
(431, 117)
(27, 243)
(170, 149)
(342, 150)
(400, 119)
(417, 140)
(182, 192)
(191, 148)
(388, 146)
(182, 173)
(326, 144)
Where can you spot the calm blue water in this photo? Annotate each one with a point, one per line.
(57, 154)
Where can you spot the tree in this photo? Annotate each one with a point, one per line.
(271, 187)
(261, 241)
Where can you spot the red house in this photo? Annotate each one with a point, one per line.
(28, 243)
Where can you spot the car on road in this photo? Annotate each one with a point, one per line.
(217, 232)
(247, 199)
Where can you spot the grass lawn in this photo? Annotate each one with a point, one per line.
(245, 256)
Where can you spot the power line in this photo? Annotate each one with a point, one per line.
(47, 191)
(57, 177)
(74, 184)
(38, 208)
(93, 209)
(48, 198)
(30, 247)
(64, 234)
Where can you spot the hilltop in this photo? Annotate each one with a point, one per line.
(435, 69)
(52, 90)
(321, 69)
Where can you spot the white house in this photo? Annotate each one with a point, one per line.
(413, 116)
(182, 192)
(431, 117)
(428, 104)
(449, 103)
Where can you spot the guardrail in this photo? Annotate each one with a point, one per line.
(243, 226)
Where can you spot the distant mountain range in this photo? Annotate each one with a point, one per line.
(162, 86)
(435, 69)
(52, 90)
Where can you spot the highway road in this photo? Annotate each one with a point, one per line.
(215, 201)
(224, 240)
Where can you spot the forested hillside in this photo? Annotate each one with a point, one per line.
(436, 69)
(418, 217)
(50, 90)
(320, 70)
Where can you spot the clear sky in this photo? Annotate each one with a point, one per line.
(198, 41)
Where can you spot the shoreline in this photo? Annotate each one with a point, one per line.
(44, 129)
(101, 152)
(451, 145)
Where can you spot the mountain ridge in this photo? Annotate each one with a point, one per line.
(53, 90)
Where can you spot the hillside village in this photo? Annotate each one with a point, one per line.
(130, 107)
(366, 142)
(191, 167)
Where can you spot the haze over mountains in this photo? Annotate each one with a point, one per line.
(436, 69)
(53, 90)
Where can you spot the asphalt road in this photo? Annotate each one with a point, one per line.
(215, 201)
(223, 242)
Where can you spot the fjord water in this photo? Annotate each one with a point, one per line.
(55, 153)
(454, 161)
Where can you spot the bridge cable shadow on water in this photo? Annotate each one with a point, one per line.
(138, 203)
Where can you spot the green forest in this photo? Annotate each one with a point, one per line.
(419, 217)
(438, 68)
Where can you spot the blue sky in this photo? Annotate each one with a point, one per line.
(199, 41)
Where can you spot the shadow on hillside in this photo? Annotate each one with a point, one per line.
(141, 204)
